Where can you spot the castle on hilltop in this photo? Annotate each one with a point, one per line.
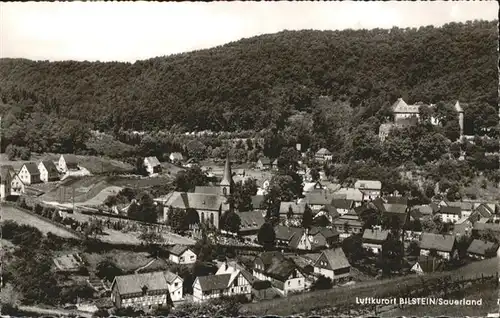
(409, 115)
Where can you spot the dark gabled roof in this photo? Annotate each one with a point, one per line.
(326, 232)
(465, 206)
(487, 227)
(32, 168)
(290, 234)
(336, 258)
(395, 207)
(207, 189)
(257, 201)
(375, 235)
(479, 247)
(214, 282)
(132, 284)
(378, 203)
(198, 201)
(318, 198)
(484, 210)
(456, 210)
(423, 209)
(438, 242)
(6, 172)
(251, 220)
(178, 249)
(397, 200)
(265, 160)
(51, 168)
(70, 160)
(342, 203)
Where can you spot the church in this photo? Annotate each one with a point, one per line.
(209, 201)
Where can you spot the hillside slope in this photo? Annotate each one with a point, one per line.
(251, 83)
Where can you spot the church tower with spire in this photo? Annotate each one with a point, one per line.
(227, 179)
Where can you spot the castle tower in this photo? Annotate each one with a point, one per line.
(227, 178)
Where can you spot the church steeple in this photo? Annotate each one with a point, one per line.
(227, 178)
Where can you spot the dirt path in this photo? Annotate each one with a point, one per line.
(59, 312)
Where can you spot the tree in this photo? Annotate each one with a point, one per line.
(242, 193)
(289, 214)
(147, 209)
(266, 236)
(353, 248)
(370, 217)
(140, 169)
(413, 249)
(108, 270)
(187, 180)
(314, 174)
(230, 222)
(391, 256)
(176, 219)
(322, 283)
(151, 237)
(307, 217)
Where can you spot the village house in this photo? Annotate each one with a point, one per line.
(264, 163)
(466, 208)
(350, 194)
(326, 215)
(282, 272)
(147, 290)
(333, 263)
(481, 211)
(228, 281)
(29, 173)
(48, 171)
(450, 214)
(175, 157)
(5, 181)
(371, 189)
(427, 264)
(323, 155)
(348, 224)
(258, 204)
(152, 165)
(17, 186)
(321, 237)
(343, 206)
(317, 200)
(181, 254)
(442, 244)
(250, 223)
(263, 186)
(480, 249)
(481, 229)
(374, 239)
(67, 162)
(395, 210)
(297, 209)
(292, 237)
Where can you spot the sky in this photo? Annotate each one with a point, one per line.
(130, 31)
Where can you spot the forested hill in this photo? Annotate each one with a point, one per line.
(256, 82)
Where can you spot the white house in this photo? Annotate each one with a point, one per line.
(371, 189)
(323, 155)
(29, 173)
(427, 264)
(146, 290)
(293, 237)
(48, 171)
(175, 157)
(228, 281)
(152, 165)
(450, 214)
(67, 162)
(16, 185)
(333, 264)
(181, 254)
(479, 249)
(282, 272)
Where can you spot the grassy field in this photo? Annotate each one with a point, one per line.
(126, 260)
(307, 302)
(21, 217)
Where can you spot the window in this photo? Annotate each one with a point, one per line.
(176, 284)
(299, 282)
(212, 218)
(191, 257)
(232, 290)
(288, 283)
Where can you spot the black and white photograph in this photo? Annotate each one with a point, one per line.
(249, 159)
